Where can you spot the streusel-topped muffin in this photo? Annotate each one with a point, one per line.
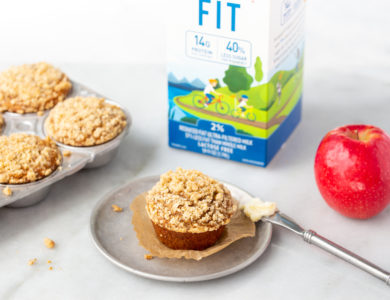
(32, 88)
(188, 209)
(26, 158)
(85, 121)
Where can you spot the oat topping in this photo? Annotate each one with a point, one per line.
(32, 88)
(27, 158)
(116, 208)
(189, 201)
(7, 191)
(85, 121)
(49, 243)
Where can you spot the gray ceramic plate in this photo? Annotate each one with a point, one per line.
(115, 238)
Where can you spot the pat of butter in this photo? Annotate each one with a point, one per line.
(255, 209)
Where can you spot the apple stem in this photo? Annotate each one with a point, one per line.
(357, 134)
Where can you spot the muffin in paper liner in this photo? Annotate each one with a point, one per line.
(239, 227)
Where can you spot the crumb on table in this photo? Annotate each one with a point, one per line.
(32, 261)
(49, 261)
(121, 238)
(50, 268)
(116, 208)
(49, 243)
(7, 191)
(148, 256)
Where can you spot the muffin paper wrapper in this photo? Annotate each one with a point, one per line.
(239, 227)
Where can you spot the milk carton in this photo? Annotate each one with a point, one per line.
(234, 76)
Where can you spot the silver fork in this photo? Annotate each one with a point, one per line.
(312, 237)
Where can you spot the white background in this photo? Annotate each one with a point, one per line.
(117, 48)
(348, 33)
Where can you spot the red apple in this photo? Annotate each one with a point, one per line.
(352, 170)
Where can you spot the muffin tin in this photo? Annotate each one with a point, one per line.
(81, 157)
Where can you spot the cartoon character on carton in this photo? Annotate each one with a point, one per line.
(209, 89)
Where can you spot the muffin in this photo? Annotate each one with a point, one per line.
(189, 210)
(32, 88)
(85, 121)
(27, 158)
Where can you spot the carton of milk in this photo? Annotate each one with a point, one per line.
(234, 76)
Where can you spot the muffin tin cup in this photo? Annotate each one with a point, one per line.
(28, 194)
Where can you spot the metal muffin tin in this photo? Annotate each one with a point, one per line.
(27, 194)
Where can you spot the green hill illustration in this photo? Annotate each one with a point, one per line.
(267, 104)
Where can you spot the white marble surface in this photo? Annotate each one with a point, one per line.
(346, 81)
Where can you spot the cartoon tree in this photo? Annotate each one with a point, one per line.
(218, 84)
(237, 79)
(258, 69)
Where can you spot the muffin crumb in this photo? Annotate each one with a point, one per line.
(66, 153)
(7, 191)
(49, 261)
(50, 268)
(148, 256)
(49, 243)
(121, 238)
(116, 208)
(32, 261)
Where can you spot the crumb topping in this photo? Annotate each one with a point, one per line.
(32, 88)
(85, 121)
(189, 201)
(26, 158)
